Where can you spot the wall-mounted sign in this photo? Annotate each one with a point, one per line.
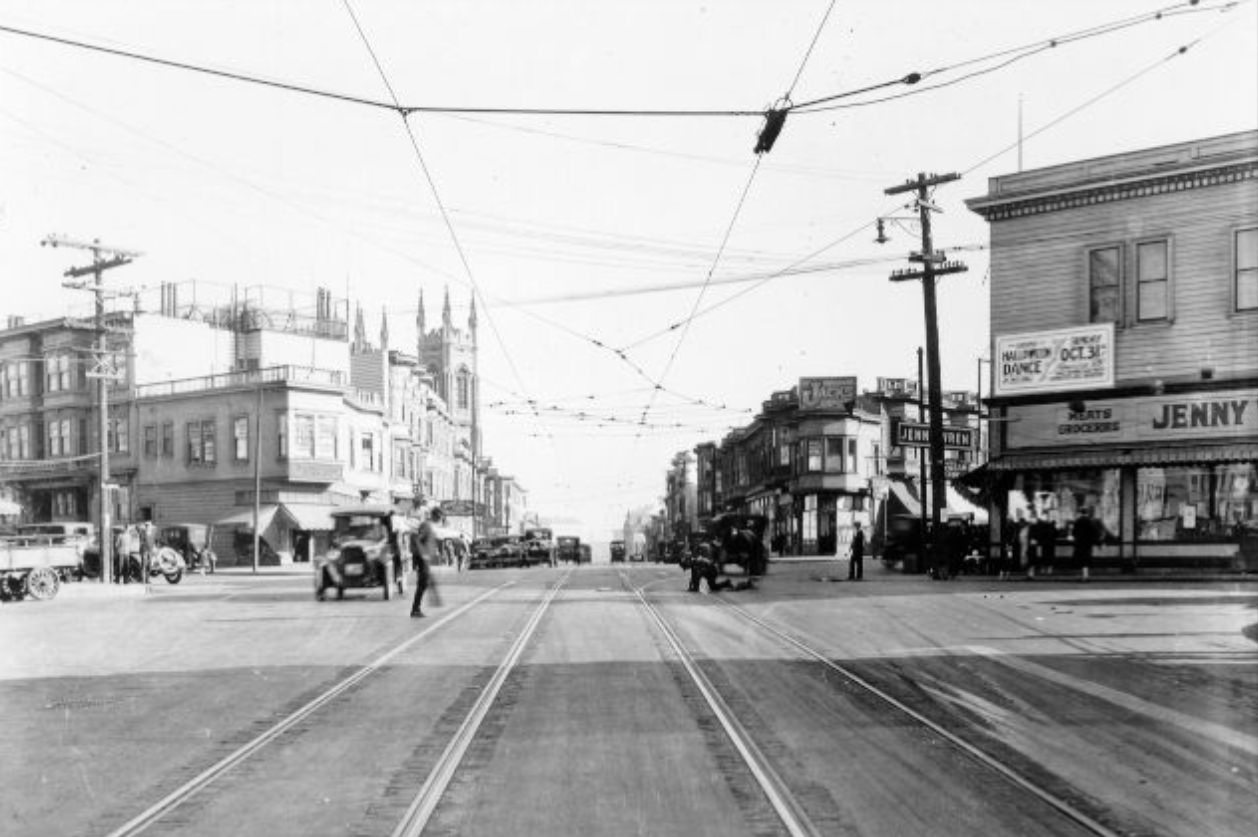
(917, 435)
(457, 508)
(826, 393)
(1052, 361)
(1206, 416)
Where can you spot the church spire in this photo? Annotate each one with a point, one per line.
(384, 329)
(471, 317)
(360, 331)
(420, 325)
(445, 310)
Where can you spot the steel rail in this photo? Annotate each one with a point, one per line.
(969, 749)
(154, 813)
(422, 807)
(784, 804)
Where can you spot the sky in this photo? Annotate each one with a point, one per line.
(644, 281)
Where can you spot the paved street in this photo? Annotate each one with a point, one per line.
(608, 700)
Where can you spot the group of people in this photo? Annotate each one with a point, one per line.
(1032, 545)
(133, 543)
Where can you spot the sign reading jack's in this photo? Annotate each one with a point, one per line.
(1053, 361)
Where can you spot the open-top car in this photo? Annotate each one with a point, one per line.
(192, 541)
(363, 552)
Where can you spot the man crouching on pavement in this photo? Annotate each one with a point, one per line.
(703, 567)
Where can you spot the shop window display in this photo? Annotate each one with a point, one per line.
(1197, 503)
(1060, 496)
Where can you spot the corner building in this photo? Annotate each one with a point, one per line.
(1124, 318)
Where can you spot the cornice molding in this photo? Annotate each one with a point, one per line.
(1089, 195)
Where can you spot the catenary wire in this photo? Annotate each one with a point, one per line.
(436, 194)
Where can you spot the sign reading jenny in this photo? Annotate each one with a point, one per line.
(917, 435)
(826, 393)
(1052, 361)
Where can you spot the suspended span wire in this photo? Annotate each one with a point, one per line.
(436, 195)
(809, 106)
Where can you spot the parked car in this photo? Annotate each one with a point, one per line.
(363, 552)
(617, 549)
(192, 541)
(481, 555)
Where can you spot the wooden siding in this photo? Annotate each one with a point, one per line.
(1040, 278)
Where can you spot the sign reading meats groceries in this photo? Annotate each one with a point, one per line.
(1221, 415)
(1053, 361)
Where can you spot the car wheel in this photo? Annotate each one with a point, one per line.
(42, 584)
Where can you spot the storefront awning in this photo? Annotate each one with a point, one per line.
(1164, 455)
(311, 516)
(243, 519)
(906, 498)
(956, 505)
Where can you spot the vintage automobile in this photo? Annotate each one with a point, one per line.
(617, 549)
(482, 554)
(363, 552)
(539, 545)
(192, 541)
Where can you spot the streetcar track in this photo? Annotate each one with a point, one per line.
(425, 801)
(176, 798)
(778, 794)
(1011, 775)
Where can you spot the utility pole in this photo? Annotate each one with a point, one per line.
(103, 258)
(933, 264)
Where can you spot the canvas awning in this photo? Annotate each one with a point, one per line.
(243, 518)
(311, 516)
(955, 504)
(9, 507)
(1111, 458)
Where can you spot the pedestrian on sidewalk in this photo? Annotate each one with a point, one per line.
(856, 555)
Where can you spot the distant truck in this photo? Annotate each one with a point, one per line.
(34, 563)
(568, 548)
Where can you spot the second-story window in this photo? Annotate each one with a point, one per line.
(1104, 299)
(201, 443)
(168, 439)
(58, 437)
(303, 437)
(240, 438)
(853, 461)
(1153, 281)
(1246, 261)
(812, 458)
(281, 435)
(119, 431)
(57, 368)
(325, 437)
(150, 441)
(834, 454)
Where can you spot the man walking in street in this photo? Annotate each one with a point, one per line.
(423, 544)
(856, 564)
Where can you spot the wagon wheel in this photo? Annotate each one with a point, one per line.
(42, 584)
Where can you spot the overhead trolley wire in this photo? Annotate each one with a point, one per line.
(436, 194)
(810, 106)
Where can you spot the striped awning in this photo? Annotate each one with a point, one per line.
(1113, 458)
